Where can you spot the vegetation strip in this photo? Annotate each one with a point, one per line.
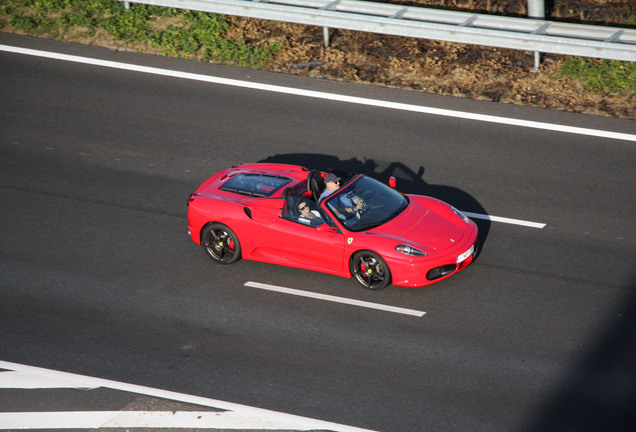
(566, 83)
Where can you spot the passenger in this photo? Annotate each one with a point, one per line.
(308, 216)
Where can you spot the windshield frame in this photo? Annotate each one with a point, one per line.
(380, 204)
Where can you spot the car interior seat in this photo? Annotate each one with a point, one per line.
(290, 199)
(315, 184)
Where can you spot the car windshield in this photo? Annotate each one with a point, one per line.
(366, 203)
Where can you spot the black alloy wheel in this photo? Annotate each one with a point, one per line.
(370, 270)
(220, 243)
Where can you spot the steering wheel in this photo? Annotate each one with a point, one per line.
(362, 210)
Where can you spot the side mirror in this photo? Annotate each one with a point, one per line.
(326, 227)
(392, 182)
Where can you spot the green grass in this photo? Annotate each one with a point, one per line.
(604, 76)
(189, 35)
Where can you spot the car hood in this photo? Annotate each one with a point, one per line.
(425, 223)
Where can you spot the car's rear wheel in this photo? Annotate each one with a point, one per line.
(370, 270)
(220, 243)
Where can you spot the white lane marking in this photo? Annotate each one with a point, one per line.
(505, 220)
(326, 96)
(336, 299)
(226, 420)
(82, 382)
(13, 379)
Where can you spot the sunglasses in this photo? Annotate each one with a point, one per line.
(302, 207)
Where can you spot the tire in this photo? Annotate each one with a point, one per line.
(220, 243)
(370, 270)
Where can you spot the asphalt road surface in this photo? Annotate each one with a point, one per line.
(99, 277)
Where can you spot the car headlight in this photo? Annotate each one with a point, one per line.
(460, 214)
(409, 250)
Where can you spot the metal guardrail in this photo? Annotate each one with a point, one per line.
(462, 27)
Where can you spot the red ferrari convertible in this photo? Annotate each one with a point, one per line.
(363, 228)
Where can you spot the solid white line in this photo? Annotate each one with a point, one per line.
(226, 420)
(505, 220)
(336, 299)
(326, 96)
(19, 380)
(83, 382)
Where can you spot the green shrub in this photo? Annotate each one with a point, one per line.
(24, 22)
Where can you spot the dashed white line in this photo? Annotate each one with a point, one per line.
(505, 220)
(336, 299)
(323, 95)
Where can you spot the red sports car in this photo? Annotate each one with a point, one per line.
(359, 227)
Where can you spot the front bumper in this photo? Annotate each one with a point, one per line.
(428, 270)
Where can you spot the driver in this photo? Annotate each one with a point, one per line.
(345, 205)
(332, 184)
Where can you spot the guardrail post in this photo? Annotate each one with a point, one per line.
(536, 10)
(325, 35)
(127, 5)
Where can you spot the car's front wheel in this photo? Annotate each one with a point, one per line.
(370, 270)
(220, 243)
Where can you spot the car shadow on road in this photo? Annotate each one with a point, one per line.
(408, 181)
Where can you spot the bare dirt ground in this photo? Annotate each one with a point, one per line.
(459, 70)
